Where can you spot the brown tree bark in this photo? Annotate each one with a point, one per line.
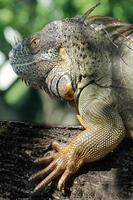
(110, 178)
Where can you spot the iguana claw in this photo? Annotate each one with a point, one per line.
(63, 162)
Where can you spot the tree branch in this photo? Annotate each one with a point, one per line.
(20, 143)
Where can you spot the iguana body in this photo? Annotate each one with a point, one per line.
(79, 60)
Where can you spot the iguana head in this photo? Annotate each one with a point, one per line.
(43, 60)
(61, 55)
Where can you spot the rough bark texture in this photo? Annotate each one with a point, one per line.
(108, 179)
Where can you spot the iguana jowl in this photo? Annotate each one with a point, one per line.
(82, 60)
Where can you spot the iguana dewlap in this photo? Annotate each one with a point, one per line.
(81, 60)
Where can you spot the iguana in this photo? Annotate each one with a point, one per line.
(86, 60)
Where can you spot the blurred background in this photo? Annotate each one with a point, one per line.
(19, 18)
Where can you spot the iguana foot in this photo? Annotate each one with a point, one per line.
(64, 162)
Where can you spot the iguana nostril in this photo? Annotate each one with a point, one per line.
(18, 47)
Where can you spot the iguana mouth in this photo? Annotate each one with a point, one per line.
(18, 60)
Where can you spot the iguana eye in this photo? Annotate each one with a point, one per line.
(34, 43)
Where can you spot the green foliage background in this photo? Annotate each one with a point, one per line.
(19, 102)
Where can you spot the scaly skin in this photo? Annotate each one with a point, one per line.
(78, 60)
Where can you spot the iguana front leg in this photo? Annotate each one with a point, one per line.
(104, 130)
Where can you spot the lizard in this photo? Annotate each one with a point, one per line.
(85, 60)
